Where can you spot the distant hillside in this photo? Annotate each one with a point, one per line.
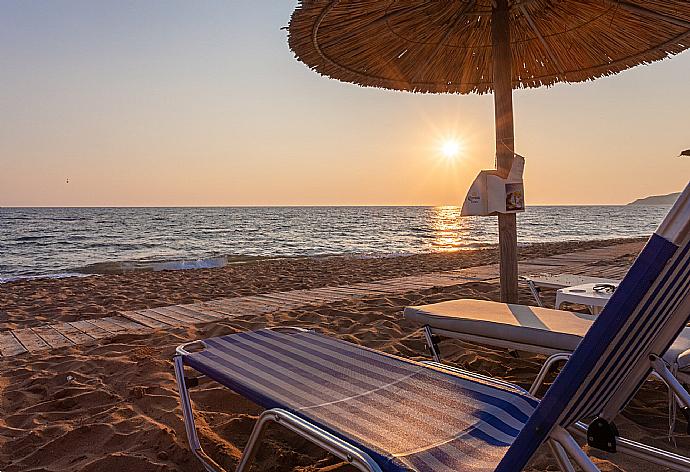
(657, 200)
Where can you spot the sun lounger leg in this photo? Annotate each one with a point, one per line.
(336, 446)
(433, 347)
(545, 369)
(188, 415)
(662, 369)
(561, 457)
(678, 394)
(564, 439)
(535, 293)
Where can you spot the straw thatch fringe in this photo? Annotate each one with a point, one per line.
(445, 46)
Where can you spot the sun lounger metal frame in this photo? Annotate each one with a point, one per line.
(561, 443)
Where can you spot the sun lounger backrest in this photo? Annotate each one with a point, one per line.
(643, 317)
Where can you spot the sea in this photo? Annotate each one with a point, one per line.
(65, 242)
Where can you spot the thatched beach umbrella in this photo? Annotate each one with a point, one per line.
(480, 46)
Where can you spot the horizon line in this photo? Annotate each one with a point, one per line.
(10, 207)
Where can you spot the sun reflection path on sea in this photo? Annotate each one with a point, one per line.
(449, 230)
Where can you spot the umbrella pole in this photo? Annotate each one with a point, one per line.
(503, 105)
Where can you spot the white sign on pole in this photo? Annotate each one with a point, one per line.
(491, 194)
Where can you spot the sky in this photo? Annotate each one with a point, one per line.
(167, 103)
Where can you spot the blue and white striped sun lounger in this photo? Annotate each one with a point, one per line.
(385, 413)
(364, 396)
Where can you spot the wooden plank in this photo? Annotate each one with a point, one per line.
(354, 287)
(480, 273)
(580, 270)
(374, 287)
(52, 337)
(294, 299)
(306, 297)
(252, 303)
(529, 269)
(72, 333)
(577, 257)
(90, 329)
(234, 311)
(221, 311)
(175, 316)
(163, 319)
(108, 325)
(214, 301)
(577, 260)
(246, 307)
(417, 279)
(382, 287)
(309, 296)
(128, 325)
(325, 293)
(198, 314)
(137, 317)
(440, 281)
(547, 261)
(330, 294)
(614, 272)
(411, 282)
(30, 340)
(10, 345)
(357, 290)
(443, 276)
(349, 292)
(198, 311)
(402, 287)
(277, 298)
(254, 299)
(226, 312)
(225, 309)
(282, 303)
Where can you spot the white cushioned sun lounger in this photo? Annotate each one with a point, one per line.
(381, 412)
(521, 327)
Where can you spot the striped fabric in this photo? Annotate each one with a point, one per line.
(406, 415)
(643, 317)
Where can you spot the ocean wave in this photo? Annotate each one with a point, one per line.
(121, 267)
(61, 275)
(32, 238)
(211, 263)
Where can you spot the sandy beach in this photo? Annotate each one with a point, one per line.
(113, 405)
(177, 171)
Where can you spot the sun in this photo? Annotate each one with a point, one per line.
(451, 148)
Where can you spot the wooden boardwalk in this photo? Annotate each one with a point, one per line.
(60, 335)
